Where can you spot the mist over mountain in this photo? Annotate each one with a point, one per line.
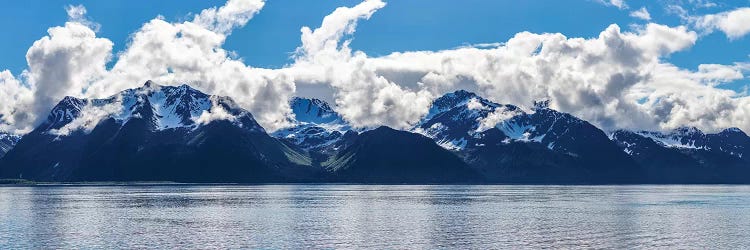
(508, 144)
(177, 133)
(153, 133)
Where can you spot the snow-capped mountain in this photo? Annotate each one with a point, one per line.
(163, 107)
(460, 119)
(687, 154)
(510, 143)
(454, 119)
(315, 111)
(317, 127)
(177, 133)
(153, 133)
(7, 142)
(731, 141)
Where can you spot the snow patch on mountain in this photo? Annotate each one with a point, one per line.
(731, 141)
(458, 119)
(499, 116)
(316, 126)
(89, 116)
(687, 138)
(7, 142)
(170, 107)
(457, 144)
(474, 104)
(315, 111)
(216, 112)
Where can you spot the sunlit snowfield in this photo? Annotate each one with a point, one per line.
(385, 217)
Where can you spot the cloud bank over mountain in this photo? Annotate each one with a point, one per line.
(619, 79)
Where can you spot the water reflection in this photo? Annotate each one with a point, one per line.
(351, 216)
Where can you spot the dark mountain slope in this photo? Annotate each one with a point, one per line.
(385, 155)
(156, 137)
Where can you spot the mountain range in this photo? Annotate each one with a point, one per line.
(177, 133)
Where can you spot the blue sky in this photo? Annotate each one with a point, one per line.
(269, 38)
(618, 63)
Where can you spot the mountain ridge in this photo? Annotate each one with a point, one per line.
(177, 133)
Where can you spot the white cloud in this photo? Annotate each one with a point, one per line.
(641, 13)
(697, 4)
(499, 115)
(234, 14)
(620, 4)
(363, 96)
(216, 113)
(474, 104)
(71, 61)
(77, 14)
(341, 22)
(60, 64)
(594, 78)
(615, 80)
(715, 74)
(14, 109)
(703, 3)
(90, 116)
(734, 23)
(191, 52)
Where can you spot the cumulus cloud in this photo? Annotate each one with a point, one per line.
(499, 115)
(91, 115)
(618, 79)
(715, 74)
(234, 14)
(362, 95)
(71, 61)
(596, 78)
(62, 63)
(641, 13)
(215, 113)
(734, 23)
(474, 104)
(15, 106)
(191, 52)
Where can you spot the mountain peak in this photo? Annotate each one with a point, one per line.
(456, 96)
(165, 107)
(732, 130)
(541, 104)
(688, 131)
(320, 104)
(64, 112)
(150, 84)
(311, 110)
(462, 92)
(7, 142)
(70, 99)
(455, 99)
(316, 127)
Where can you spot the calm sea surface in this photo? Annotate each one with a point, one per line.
(384, 217)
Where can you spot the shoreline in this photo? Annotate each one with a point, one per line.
(30, 183)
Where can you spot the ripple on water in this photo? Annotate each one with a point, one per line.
(375, 216)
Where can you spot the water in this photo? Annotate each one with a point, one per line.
(383, 217)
